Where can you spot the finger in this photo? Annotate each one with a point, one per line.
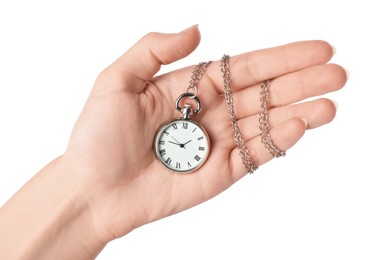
(142, 61)
(284, 136)
(316, 113)
(310, 82)
(253, 67)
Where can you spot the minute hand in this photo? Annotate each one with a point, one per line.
(175, 140)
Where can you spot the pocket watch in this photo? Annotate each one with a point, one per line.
(182, 145)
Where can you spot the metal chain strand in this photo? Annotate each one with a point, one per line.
(198, 72)
(263, 120)
(243, 150)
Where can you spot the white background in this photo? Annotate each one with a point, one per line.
(328, 199)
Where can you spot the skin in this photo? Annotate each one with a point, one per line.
(109, 182)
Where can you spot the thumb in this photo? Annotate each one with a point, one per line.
(142, 61)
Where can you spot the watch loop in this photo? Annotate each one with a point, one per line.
(187, 110)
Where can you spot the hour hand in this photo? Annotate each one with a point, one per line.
(187, 142)
(174, 143)
(177, 142)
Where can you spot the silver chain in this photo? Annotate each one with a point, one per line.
(263, 120)
(198, 72)
(243, 150)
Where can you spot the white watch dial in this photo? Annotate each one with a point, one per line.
(182, 145)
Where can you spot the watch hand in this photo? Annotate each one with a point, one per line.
(174, 143)
(187, 142)
(177, 142)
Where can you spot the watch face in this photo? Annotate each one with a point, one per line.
(182, 145)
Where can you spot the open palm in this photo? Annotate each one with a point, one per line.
(111, 158)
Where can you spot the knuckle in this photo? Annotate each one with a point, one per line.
(255, 155)
(150, 37)
(109, 77)
(253, 67)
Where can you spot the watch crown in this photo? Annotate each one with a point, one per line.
(186, 111)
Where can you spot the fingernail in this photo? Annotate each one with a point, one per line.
(304, 121)
(335, 103)
(347, 72)
(333, 49)
(189, 28)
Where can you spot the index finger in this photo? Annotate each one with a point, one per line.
(253, 67)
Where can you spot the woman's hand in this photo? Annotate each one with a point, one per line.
(110, 159)
(110, 182)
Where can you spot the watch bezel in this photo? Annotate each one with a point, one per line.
(157, 138)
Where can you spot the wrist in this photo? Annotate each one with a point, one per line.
(48, 219)
(74, 214)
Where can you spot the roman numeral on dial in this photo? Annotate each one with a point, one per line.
(168, 161)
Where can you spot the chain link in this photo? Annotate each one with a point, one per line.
(263, 120)
(243, 150)
(198, 72)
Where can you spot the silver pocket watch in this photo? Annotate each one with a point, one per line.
(182, 145)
